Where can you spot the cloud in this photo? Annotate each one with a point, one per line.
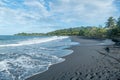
(47, 15)
(86, 11)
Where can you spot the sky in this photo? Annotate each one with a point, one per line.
(41, 16)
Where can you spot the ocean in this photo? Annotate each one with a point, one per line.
(25, 56)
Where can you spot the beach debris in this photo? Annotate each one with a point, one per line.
(107, 49)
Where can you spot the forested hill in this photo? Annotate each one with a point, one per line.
(80, 31)
(97, 32)
(69, 31)
(110, 30)
(30, 34)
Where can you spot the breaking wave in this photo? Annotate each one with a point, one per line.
(18, 61)
(35, 41)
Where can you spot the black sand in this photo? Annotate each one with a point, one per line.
(87, 62)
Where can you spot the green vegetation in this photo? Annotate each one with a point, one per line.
(94, 32)
(111, 30)
(62, 32)
(30, 34)
(111, 23)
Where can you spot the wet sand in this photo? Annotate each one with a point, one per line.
(88, 62)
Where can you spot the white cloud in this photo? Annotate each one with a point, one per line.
(21, 15)
(37, 6)
(83, 10)
(35, 14)
(64, 10)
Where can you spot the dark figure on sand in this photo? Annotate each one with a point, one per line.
(107, 49)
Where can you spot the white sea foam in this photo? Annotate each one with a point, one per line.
(35, 41)
(107, 42)
(19, 63)
(3, 65)
(27, 66)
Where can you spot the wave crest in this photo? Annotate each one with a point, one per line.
(35, 41)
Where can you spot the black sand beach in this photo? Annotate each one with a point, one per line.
(87, 62)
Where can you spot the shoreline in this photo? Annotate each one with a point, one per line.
(55, 63)
(83, 64)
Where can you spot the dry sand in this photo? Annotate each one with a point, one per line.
(88, 62)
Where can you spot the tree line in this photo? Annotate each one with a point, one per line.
(110, 30)
(113, 27)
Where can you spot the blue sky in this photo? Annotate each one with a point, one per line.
(48, 15)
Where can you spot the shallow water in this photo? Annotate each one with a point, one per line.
(24, 56)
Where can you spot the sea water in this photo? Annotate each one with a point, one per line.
(24, 56)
